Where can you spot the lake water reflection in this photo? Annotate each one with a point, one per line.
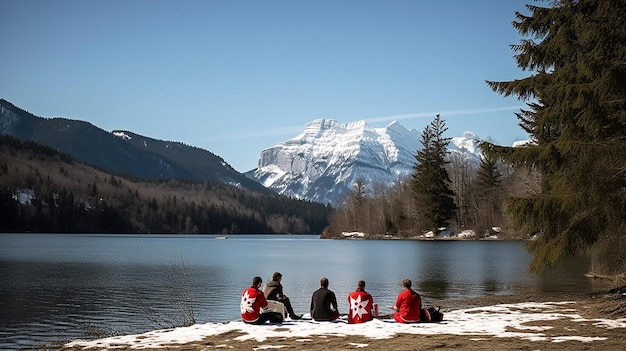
(56, 286)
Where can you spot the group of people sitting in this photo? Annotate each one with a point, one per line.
(256, 304)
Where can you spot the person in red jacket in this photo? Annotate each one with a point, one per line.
(360, 303)
(254, 305)
(408, 305)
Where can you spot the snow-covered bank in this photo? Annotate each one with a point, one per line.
(526, 321)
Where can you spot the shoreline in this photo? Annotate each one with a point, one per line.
(590, 321)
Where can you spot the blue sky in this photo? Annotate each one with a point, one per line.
(235, 77)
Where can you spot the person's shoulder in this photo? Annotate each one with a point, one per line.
(365, 294)
(257, 293)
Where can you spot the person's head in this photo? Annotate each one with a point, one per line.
(324, 282)
(406, 283)
(277, 276)
(257, 281)
(360, 285)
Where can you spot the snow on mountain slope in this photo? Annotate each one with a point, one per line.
(324, 161)
(465, 148)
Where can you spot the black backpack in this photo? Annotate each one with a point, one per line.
(431, 314)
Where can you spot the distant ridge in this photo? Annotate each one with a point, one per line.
(133, 155)
(43, 190)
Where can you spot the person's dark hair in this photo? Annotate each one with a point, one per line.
(256, 281)
(406, 283)
(361, 284)
(324, 282)
(276, 276)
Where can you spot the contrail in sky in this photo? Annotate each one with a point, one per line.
(291, 130)
(443, 113)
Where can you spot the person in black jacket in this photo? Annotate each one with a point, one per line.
(274, 291)
(324, 303)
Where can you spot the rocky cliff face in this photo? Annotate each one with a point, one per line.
(324, 161)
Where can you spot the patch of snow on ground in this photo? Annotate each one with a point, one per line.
(122, 135)
(353, 234)
(24, 196)
(495, 321)
(611, 323)
(466, 234)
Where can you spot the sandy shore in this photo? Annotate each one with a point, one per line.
(590, 322)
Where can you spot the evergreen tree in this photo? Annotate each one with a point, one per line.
(488, 176)
(576, 94)
(360, 191)
(487, 189)
(430, 181)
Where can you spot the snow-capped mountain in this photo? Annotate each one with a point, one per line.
(324, 161)
(465, 148)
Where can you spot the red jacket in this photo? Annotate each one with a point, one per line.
(410, 305)
(252, 301)
(360, 304)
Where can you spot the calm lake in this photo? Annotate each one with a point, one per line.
(57, 287)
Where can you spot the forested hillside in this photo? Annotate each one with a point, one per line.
(122, 152)
(42, 190)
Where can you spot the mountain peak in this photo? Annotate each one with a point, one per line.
(324, 161)
(395, 124)
(469, 135)
(396, 127)
(466, 145)
(321, 124)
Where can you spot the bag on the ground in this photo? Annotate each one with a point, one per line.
(431, 314)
